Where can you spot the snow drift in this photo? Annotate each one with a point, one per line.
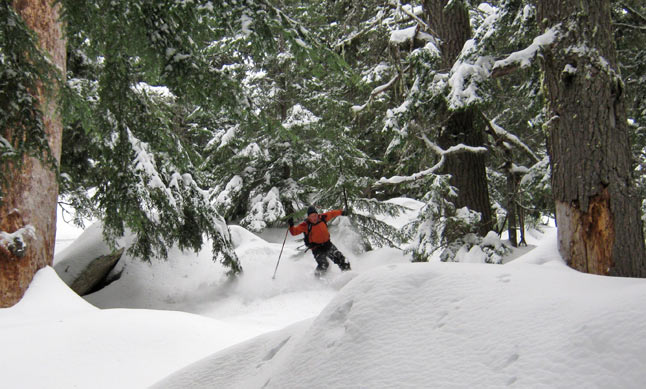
(450, 325)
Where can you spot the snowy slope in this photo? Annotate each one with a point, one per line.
(451, 325)
(532, 323)
(54, 339)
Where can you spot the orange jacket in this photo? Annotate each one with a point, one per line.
(319, 233)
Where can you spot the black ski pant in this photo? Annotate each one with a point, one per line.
(327, 250)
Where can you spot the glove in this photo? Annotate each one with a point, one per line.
(290, 221)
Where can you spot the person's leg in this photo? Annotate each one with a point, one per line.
(320, 255)
(337, 257)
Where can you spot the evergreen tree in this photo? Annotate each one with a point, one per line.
(141, 173)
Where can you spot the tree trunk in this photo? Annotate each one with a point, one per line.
(467, 170)
(511, 208)
(30, 201)
(597, 211)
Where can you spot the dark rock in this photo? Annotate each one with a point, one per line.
(95, 273)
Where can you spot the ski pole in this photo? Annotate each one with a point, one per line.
(345, 196)
(279, 255)
(346, 200)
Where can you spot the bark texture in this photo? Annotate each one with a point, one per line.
(453, 28)
(597, 211)
(31, 198)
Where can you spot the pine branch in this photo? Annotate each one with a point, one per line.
(461, 148)
(379, 90)
(419, 21)
(634, 12)
(340, 45)
(641, 28)
(523, 58)
(499, 132)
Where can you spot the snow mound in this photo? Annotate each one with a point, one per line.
(450, 325)
(241, 236)
(76, 345)
(47, 297)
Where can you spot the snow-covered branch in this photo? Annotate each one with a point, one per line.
(379, 90)
(461, 148)
(634, 12)
(500, 132)
(340, 45)
(524, 58)
(642, 28)
(416, 18)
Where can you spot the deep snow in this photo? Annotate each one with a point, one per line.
(532, 322)
(450, 325)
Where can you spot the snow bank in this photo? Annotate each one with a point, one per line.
(451, 325)
(52, 338)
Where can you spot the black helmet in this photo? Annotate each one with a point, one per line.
(310, 210)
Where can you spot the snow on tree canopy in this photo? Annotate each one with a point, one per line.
(299, 116)
(225, 198)
(524, 57)
(264, 209)
(466, 75)
(402, 36)
(148, 89)
(144, 162)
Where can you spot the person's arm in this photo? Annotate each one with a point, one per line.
(332, 214)
(299, 229)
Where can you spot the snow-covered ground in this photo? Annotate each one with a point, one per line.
(532, 322)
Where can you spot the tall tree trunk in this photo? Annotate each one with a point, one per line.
(30, 200)
(597, 211)
(467, 170)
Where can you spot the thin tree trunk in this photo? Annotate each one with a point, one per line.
(597, 211)
(467, 170)
(30, 200)
(511, 209)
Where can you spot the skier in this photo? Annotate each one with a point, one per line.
(317, 238)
